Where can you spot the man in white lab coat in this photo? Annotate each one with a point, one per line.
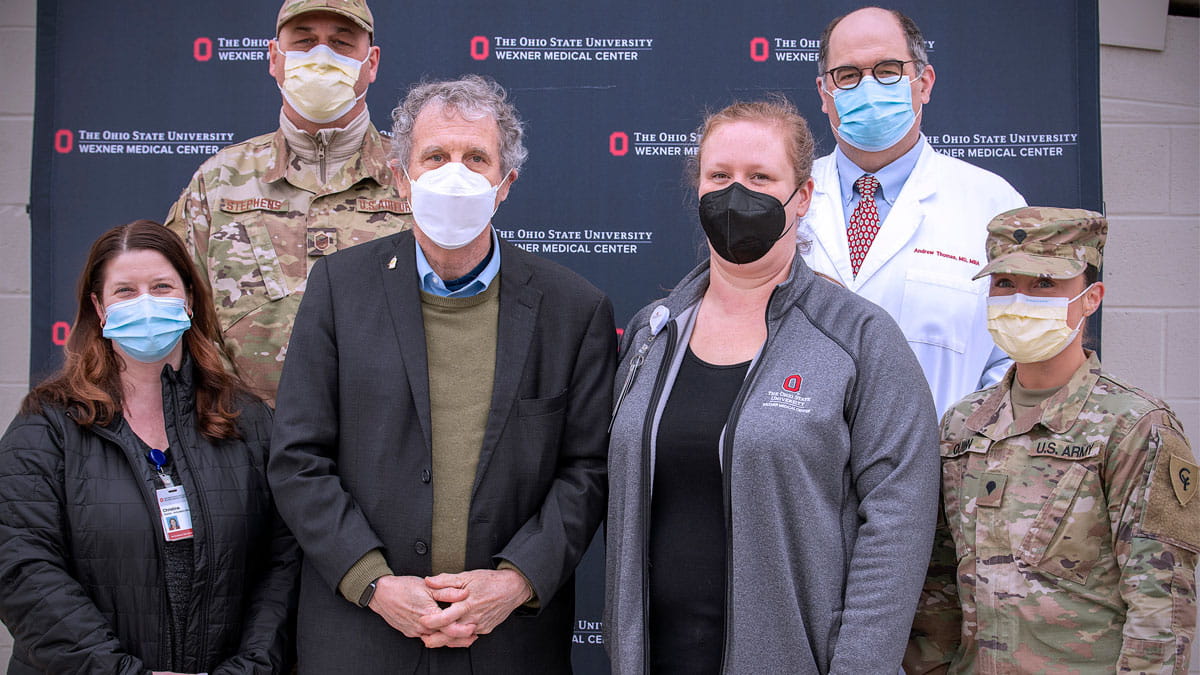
(893, 220)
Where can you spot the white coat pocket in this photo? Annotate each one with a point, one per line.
(934, 307)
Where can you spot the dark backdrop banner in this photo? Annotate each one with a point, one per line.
(131, 97)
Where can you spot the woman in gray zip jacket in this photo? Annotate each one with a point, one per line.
(773, 468)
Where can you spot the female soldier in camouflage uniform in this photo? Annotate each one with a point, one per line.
(1069, 531)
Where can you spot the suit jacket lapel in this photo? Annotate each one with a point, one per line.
(402, 292)
(518, 316)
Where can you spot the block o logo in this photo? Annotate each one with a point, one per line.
(618, 143)
(760, 49)
(59, 332)
(64, 141)
(202, 49)
(480, 48)
(792, 383)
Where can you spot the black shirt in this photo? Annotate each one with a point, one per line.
(687, 521)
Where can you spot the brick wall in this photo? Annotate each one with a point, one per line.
(17, 40)
(1150, 122)
(17, 18)
(1150, 127)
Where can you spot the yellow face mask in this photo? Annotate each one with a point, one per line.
(319, 83)
(1031, 329)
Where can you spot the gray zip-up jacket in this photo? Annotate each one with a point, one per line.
(830, 463)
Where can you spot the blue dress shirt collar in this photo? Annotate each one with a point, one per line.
(433, 284)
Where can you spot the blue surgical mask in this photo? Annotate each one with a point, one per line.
(874, 116)
(147, 327)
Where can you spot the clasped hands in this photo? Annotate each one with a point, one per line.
(479, 600)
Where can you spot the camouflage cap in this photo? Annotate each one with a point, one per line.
(1043, 241)
(355, 10)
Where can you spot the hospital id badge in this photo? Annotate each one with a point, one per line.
(174, 513)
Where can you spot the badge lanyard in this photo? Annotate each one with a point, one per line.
(658, 319)
(173, 511)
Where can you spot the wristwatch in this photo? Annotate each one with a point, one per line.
(369, 592)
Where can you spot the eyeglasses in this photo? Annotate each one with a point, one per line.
(884, 72)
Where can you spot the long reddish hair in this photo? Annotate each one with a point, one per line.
(89, 383)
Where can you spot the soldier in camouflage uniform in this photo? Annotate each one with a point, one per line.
(1069, 533)
(258, 214)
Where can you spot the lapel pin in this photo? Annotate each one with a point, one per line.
(392, 263)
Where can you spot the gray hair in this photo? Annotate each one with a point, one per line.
(472, 96)
(912, 35)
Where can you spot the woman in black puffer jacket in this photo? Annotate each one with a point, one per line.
(137, 529)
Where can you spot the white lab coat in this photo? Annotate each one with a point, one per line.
(920, 265)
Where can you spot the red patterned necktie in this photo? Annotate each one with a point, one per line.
(864, 221)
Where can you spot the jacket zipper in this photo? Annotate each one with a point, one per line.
(727, 496)
(201, 653)
(647, 427)
(165, 647)
(148, 493)
(322, 146)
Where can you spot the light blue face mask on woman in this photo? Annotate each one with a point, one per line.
(147, 327)
(874, 116)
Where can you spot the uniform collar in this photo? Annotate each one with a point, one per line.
(371, 160)
(339, 143)
(994, 418)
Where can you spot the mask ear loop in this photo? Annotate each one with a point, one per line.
(101, 310)
(791, 196)
(1082, 293)
(789, 225)
(495, 192)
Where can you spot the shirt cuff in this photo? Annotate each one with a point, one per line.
(532, 602)
(368, 568)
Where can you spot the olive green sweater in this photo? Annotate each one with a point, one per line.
(460, 343)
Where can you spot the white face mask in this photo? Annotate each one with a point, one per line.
(1031, 329)
(452, 204)
(319, 83)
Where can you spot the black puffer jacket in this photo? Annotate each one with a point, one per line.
(81, 548)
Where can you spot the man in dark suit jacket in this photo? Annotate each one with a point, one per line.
(439, 448)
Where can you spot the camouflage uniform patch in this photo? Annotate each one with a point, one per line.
(1172, 514)
(1068, 569)
(1183, 479)
(322, 241)
(251, 217)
